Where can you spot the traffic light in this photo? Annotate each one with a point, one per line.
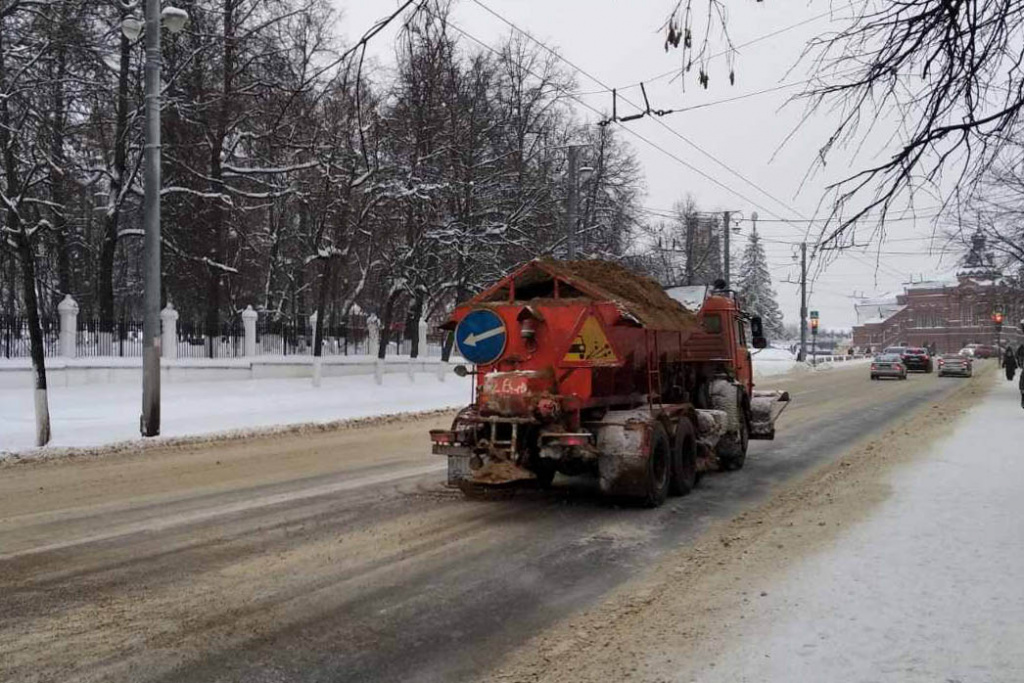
(997, 318)
(814, 325)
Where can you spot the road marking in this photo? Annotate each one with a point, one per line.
(229, 509)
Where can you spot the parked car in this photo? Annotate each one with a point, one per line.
(916, 358)
(984, 351)
(888, 365)
(967, 351)
(955, 364)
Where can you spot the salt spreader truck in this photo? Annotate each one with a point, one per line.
(583, 367)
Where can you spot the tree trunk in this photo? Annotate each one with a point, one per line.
(385, 325)
(326, 276)
(27, 257)
(414, 324)
(35, 332)
(111, 222)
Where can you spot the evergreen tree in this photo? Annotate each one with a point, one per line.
(755, 287)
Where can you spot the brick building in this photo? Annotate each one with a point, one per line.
(946, 314)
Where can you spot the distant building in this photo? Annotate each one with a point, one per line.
(946, 314)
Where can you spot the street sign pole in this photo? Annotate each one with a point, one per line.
(814, 338)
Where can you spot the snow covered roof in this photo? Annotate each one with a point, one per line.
(883, 315)
(931, 284)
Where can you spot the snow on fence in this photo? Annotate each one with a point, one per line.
(94, 338)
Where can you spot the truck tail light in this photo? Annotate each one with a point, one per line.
(874, 367)
(442, 437)
(898, 366)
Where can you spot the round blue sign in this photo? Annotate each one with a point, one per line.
(481, 337)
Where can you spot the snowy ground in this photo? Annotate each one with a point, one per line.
(99, 414)
(927, 588)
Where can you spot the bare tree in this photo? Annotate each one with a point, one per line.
(944, 75)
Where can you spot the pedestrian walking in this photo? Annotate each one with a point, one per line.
(1021, 387)
(1020, 356)
(1010, 363)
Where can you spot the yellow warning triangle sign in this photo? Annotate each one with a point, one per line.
(591, 344)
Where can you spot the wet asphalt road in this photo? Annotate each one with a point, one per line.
(364, 573)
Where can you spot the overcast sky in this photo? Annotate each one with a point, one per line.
(618, 44)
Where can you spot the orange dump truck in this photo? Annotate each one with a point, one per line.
(583, 367)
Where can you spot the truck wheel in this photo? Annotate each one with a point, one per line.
(658, 466)
(732, 449)
(545, 469)
(684, 460)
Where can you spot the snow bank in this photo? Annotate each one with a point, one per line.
(773, 361)
(928, 588)
(96, 415)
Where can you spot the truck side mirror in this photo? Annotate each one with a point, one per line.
(757, 332)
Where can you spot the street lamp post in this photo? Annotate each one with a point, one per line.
(997, 322)
(174, 19)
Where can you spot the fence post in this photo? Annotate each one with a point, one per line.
(372, 334)
(68, 311)
(249, 317)
(169, 323)
(421, 329)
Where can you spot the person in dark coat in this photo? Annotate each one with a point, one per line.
(1021, 387)
(1010, 363)
(1020, 356)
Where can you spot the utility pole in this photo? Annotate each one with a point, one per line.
(154, 19)
(725, 232)
(571, 210)
(803, 302)
(150, 421)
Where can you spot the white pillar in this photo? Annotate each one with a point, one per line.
(169, 332)
(423, 338)
(373, 334)
(249, 318)
(68, 310)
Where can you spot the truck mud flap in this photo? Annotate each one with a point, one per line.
(765, 408)
(458, 469)
(622, 441)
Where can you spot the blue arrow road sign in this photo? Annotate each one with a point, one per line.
(481, 336)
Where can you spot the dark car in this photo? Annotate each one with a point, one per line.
(917, 359)
(984, 351)
(888, 365)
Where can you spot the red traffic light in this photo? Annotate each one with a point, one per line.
(997, 318)
(814, 323)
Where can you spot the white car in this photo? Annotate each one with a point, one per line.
(967, 351)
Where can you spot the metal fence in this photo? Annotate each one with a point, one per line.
(14, 337)
(123, 338)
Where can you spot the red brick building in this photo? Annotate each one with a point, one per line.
(948, 315)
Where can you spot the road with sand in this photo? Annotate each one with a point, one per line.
(341, 556)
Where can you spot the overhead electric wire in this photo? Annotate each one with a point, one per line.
(878, 263)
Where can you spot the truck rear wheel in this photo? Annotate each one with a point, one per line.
(684, 460)
(658, 467)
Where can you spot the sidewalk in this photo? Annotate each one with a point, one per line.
(100, 414)
(930, 587)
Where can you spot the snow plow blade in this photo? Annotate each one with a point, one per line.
(765, 408)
